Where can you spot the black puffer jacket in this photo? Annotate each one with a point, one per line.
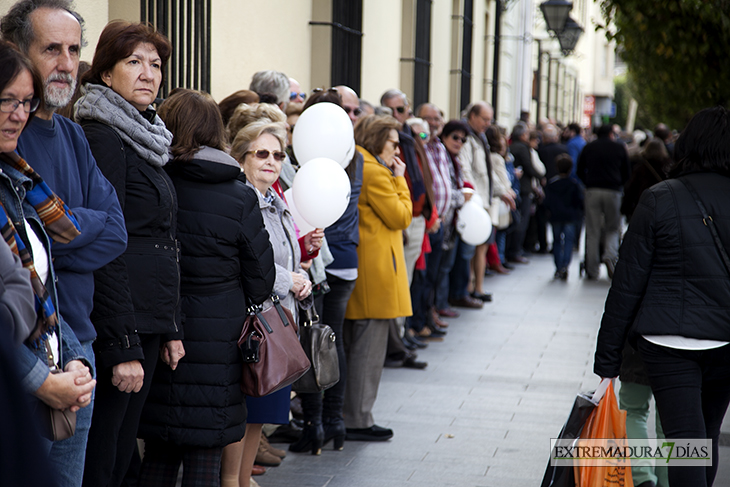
(670, 279)
(139, 291)
(226, 258)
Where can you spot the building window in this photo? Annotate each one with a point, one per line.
(186, 23)
(466, 44)
(422, 58)
(346, 43)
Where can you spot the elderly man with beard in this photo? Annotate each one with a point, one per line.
(50, 33)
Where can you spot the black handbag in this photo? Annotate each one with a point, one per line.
(318, 341)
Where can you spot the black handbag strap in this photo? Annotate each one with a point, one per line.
(709, 223)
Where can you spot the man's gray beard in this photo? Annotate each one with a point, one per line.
(58, 98)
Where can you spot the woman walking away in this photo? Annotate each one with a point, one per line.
(671, 290)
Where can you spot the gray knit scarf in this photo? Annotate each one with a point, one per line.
(150, 141)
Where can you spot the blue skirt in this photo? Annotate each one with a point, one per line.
(271, 409)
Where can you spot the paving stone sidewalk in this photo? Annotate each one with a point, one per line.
(495, 391)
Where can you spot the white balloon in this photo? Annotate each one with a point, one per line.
(323, 130)
(304, 226)
(477, 200)
(321, 191)
(473, 223)
(348, 157)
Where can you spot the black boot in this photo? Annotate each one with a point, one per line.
(311, 440)
(334, 429)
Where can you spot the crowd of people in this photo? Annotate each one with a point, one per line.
(140, 230)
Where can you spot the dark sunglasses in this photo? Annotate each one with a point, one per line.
(355, 111)
(264, 154)
(457, 138)
(293, 96)
(400, 109)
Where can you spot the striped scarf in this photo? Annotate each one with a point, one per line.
(59, 224)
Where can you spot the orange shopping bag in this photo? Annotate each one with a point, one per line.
(607, 422)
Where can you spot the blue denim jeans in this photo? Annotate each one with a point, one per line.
(423, 288)
(459, 277)
(68, 456)
(501, 241)
(441, 294)
(563, 240)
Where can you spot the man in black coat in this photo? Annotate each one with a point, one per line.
(549, 150)
(520, 149)
(603, 166)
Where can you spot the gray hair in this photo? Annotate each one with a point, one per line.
(248, 134)
(274, 82)
(550, 133)
(519, 130)
(475, 109)
(17, 27)
(392, 94)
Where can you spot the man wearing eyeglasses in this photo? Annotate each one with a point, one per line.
(425, 217)
(476, 167)
(296, 94)
(58, 150)
(350, 102)
(448, 197)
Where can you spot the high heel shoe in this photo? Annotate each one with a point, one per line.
(311, 440)
(335, 431)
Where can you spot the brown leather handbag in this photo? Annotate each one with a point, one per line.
(55, 424)
(272, 356)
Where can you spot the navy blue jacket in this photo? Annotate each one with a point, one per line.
(343, 236)
(564, 199)
(59, 152)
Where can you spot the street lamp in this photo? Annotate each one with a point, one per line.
(569, 36)
(556, 14)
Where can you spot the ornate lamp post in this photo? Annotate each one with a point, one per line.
(569, 36)
(556, 14)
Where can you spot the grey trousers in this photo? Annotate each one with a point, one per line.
(365, 347)
(412, 249)
(603, 217)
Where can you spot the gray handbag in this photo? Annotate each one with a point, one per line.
(318, 342)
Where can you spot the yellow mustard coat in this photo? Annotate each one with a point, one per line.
(381, 290)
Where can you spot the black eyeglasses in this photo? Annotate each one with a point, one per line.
(264, 154)
(9, 105)
(355, 111)
(400, 109)
(294, 95)
(457, 138)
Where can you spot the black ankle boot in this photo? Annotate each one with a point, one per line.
(311, 440)
(335, 430)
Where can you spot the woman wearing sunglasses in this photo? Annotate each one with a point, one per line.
(259, 148)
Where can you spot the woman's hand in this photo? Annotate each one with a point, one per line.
(507, 198)
(70, 389)
(302, 286)
(128, 376)
(399, 167)
(306, 291)
(171, 352)
(313, 240)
